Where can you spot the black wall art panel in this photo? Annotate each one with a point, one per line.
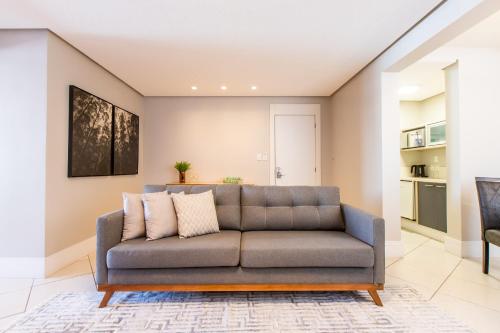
(90, 135)
(103, 138)
(126, 142)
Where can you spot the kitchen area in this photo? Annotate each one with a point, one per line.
(423, 151)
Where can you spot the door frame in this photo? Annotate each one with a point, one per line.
(294, 110)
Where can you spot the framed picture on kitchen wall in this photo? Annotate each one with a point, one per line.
(90, 142)
(125, 142)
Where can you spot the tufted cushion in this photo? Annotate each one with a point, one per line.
(227, 200)
(290, 208)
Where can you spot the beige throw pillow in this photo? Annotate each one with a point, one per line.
(133, 213)
(159, 214)
(196, 214)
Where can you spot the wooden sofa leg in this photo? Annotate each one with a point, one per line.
(106, 298)
(376, 298)
(486, 257)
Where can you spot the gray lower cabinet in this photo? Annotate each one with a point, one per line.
(432, 205)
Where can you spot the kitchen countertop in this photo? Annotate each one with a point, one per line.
(425, 179)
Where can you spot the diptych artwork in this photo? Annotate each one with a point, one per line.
(103, 138)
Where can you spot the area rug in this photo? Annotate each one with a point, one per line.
(404, 311)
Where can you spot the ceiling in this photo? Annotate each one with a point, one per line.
(427, 73)
(283, 48)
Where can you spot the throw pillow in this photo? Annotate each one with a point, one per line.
(159, 214)
(196, 214)
(133, 216)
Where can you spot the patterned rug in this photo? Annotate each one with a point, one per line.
(404, 311)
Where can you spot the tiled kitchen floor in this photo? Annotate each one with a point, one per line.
(454, 284)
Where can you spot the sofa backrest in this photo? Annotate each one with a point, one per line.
(290, 208)
(227, 200)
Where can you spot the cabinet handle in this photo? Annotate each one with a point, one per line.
(427, 185)
(440, 186)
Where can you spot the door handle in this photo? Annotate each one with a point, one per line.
(278, 173)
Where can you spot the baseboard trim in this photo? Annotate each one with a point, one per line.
(468, 249)
(394, 249)
(60, 259)
(423, 230)
(474, 249)
(453, 246)
(40, 267)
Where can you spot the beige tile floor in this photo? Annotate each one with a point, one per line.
(456, 285)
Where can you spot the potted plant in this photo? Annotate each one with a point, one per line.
(182, 167)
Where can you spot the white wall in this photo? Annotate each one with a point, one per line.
(23, 106)
(453, 186)
(220, 136)
(72, 204)
(49, 219)
(410, 114)
(479, 119)
(358, 115)
(420, 113)
(433, 109)
(356, 148)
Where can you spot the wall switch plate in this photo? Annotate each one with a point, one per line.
(264, 156)
(259, 156)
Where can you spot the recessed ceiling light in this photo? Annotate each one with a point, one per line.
(409, 89)
(253, 87)
(223, 87)
(194, 88)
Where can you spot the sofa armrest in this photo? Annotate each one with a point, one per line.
(371, 230)
(109, 230)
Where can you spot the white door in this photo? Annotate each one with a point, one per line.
(295, 134)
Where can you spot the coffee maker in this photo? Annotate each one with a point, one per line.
(418, 170)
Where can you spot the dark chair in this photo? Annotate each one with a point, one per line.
(488, 190)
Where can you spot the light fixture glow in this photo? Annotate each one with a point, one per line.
(409, 89)
(253, 87)
(223, 87)
(194, 88)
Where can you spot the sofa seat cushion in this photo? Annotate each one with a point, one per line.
(214, 250)
(492, 236)
(265, 249)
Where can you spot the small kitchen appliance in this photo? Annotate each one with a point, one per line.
(413, 138)
(418, 170)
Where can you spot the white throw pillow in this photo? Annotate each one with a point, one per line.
(159, 213)
(133, 221)
(196, 214)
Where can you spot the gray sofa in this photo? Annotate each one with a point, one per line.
(272, 238)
